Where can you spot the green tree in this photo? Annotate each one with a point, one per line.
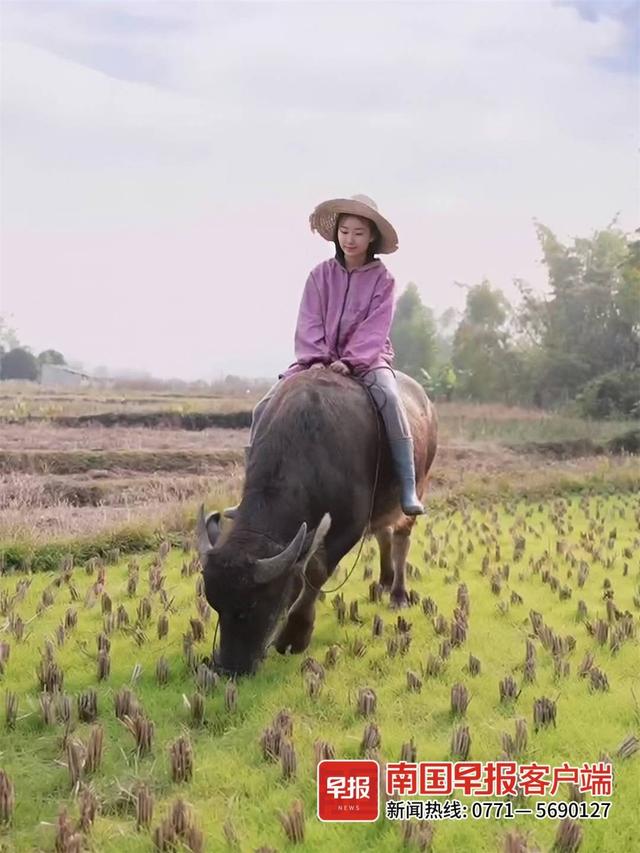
(482, 353)
(588, 324)
(413, 334)
(19, 363)
(51, 356)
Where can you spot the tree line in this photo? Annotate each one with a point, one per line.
(17, 361)
(579, 342)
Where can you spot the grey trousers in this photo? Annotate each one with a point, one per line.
(384, 390)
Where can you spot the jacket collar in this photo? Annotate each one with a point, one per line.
(374, 263)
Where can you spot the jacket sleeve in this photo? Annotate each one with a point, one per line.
(310, 344)
(368, 340)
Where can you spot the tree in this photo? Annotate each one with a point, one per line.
(51, 356)
(482, 354)
(413, 334)
(588, 325)
(8, 337)
(19, 363)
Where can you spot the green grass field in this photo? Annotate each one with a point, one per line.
(232, 781)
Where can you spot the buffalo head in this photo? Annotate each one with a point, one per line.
(250, 594)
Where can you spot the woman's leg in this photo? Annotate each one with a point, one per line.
(384, 389)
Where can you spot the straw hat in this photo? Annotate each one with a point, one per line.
(323, 219)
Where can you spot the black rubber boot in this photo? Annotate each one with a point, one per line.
(230, 511)
(402, 454)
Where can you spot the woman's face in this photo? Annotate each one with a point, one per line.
(354, 236)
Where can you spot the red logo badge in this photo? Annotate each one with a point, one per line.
(348, 790)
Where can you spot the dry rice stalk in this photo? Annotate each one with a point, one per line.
(628, 747)
(231, 697)
(323, 751)
(288, 759)
(414, 682)
(433, 667)
(67, 840)
(47, 707)
(429, 606)
(586, 665)
(104, 666)
(313, 685)
(283, 721)
(544, 713)
(163, 626)
(459, 700)
(331, 656)
(142, 730)
(508, 689)
(568, 837)
(95, 748)
(162, 671)
(408, 751)
(370, 739)
(270, 741)
(181, 755)
(88, 809)
(515, 842)
(7, 798)
(358, 647)
(125, 703)
(144, 806)
(196, 705)
(293, 822)
(599, 680)
(50, 675)
(310, 665)
(11, 709)
(418, 835)
(206, 679)
(367, 701)
(75, 760)
(460, 743)
(197, 630)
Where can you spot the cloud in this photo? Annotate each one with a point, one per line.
(169, 154)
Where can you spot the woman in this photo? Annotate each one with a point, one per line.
(344, 321)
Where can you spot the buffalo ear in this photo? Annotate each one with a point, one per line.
(207, 532)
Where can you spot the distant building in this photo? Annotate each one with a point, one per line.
(61, 375)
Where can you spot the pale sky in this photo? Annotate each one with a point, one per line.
(160, 159)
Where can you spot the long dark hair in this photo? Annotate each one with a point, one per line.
(374, 246)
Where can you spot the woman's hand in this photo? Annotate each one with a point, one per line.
(340, 367)
(316, 366)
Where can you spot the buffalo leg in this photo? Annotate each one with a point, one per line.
(401, 540)
(385, 546)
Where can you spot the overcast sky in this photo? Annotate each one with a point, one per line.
(160, 159)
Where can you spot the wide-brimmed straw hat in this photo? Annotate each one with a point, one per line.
(323, 219)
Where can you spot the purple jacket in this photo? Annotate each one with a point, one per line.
(345, 315)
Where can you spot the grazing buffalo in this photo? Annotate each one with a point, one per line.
(306, 501)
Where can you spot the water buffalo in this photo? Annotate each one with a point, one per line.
(306, 502)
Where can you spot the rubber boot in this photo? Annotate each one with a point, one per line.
(231, 511)
(402, 454)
